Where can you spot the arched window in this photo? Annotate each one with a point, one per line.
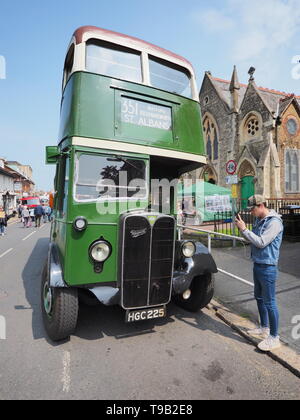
(288, 167)
(208, 147)
(216, 146)
(211, 138)
(295, 172)
(208, 174)
(292, 181)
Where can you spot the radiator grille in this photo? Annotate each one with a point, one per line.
(147, 251)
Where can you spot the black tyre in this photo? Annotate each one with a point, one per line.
(202, 291)
(59, 309)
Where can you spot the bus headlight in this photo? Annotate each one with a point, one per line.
(99, 251)
(188, 249)
(80, 224)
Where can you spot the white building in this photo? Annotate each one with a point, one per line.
(8, 199)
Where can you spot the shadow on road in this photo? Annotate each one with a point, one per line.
(31, 276)
(97, 322)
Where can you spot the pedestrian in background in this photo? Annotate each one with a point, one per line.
(48, 211)
(44, 213)
(32, 217)
(3, 221)
(38, 212)
(25, 216)
(265, 240)
(19, 209)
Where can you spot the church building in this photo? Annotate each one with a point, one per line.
(258, 129)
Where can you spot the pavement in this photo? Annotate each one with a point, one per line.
(235, 303)
(13, 220)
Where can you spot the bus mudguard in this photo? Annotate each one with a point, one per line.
(187, 268)
(55, 273)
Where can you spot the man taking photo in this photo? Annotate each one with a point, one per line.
(265, 240)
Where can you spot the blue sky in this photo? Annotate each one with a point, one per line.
(214, 35)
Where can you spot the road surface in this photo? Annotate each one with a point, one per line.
(185, 356)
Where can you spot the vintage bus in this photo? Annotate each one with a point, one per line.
(30, 202)
(130, 114)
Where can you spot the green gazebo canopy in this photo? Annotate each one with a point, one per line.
(210, 198)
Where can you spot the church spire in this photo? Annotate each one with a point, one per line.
(234, 88)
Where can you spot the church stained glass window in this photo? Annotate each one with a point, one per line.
(292, 175)
(211, 138)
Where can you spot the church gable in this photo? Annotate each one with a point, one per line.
(211, 98)
(289, 131)
(253, 102)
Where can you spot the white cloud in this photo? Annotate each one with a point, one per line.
(213, 20)
(258, 33)
(265, 26)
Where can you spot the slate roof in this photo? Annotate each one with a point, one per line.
(270, 97)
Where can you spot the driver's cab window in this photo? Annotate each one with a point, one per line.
(62, 186)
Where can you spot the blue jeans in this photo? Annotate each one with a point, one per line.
(2, 229)
(265, 277)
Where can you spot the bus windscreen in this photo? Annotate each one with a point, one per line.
(109, 177)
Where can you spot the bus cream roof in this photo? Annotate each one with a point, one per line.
(85, 33)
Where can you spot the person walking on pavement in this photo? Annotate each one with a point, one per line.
(3, 221)
(19, 209)
(38, 212)
(48, 212)
(32, 216)
(265, 240)
(25, 216)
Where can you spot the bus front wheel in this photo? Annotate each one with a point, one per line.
(201, 292)
(59, 309)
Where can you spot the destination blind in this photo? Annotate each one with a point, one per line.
(146, 114)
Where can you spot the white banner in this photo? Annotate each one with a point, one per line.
(214, 203)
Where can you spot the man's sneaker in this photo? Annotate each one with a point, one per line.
(262, 332)
(270, 343)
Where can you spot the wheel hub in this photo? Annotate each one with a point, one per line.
(48, 299)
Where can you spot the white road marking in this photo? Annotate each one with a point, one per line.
(28, 236)
(66, 375)
(6, 252)
(235, 277)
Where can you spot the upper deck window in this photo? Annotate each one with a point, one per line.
(69, 62)
(169, 77)
(115, 61)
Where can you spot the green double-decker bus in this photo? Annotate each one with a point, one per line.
(130, 127)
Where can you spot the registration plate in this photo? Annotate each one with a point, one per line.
(143, 314)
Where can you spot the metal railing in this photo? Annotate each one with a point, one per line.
(224, 223)
(278, 203)
(209, 238)
(211, 233)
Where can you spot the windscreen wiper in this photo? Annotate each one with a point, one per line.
(117, 157)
